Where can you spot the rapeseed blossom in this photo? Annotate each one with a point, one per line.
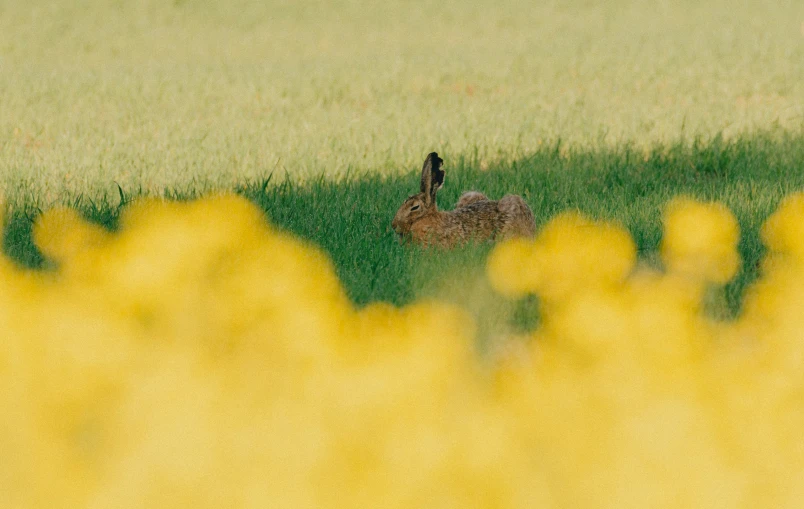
(198, 357)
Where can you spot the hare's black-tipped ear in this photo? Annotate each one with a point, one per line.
(432, 176)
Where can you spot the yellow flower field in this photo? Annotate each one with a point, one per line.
(198, 357)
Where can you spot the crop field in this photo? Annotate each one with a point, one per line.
(204, 304)
(196, 94)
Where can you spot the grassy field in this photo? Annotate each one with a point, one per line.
(199, 94)
(350, 217)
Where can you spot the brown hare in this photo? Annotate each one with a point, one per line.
(475, 216)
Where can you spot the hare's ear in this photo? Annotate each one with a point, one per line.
(432, 177)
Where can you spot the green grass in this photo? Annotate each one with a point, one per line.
(349, 218)
(194, 93)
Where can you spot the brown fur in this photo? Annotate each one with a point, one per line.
(475, 217)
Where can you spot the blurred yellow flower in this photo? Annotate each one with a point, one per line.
(570, 252)
(700, 240)
(199, 358)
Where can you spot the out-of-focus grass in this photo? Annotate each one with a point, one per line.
(196, 94)
(350, 217)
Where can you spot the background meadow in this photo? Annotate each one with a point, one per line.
(199, 94)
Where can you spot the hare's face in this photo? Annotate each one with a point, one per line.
(411, 211)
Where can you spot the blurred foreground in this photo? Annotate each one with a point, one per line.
(199, 358)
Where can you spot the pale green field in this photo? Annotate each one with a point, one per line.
(197, 94)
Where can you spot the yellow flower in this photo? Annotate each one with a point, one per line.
(513, 269)
(198, 357)
(61, 234)
(700, 240)
(783, 232)
(570, 252)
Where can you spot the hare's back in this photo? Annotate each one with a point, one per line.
(470, 197)
(520, 220)
(478, 219)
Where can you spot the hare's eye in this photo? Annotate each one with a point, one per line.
(415, 207)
